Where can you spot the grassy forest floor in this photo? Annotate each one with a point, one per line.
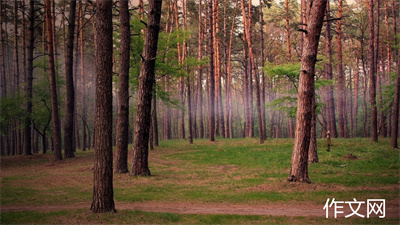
(229, 181)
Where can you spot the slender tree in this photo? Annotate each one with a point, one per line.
(53, 84)
(329, 97)
(372, 75)
(299, 168)
(121, 151)
(146, 81)
(396, 104)
(29, 79)
(103, 192)
(69, 148)
(200, 73)
(211, 76)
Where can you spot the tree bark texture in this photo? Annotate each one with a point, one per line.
(69, 85)
(122, 132)
(146, 81)
(103, 193)
(299, 168)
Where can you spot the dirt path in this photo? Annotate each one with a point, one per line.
(303, 209)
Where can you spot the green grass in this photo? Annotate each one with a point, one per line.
(226, 171)
(140, 217)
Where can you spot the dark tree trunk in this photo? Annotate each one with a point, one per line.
(28, 80)
(146, 81)
(69, 147)
(121, 150)
(299, 168)
(53, 84)
(103, 193)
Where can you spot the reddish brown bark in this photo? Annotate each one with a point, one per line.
(211, 77)
(329, 97)
(372, 73)
(247, 32)
(299, 168)
(396, 104)
(200, 74)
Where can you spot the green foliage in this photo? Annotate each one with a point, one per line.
(11, 109)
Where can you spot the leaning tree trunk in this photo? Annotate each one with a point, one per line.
(69, 85)
(121, 150)
(146, 81)
(306, 92)
(103, 192)
(53, 85)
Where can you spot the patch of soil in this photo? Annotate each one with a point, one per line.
(350, 157)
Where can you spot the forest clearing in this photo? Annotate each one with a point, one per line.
(228, 181)
(199, 111)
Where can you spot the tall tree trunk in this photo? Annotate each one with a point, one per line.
(211, 77)
(69, 85)
(200, 74)
(16, 75)
(247, 31)
(228, 91)
(341, 79)
(288, 50)
(103, 192)
(146, 81)
(83, 84)
(53, 85)
(396, 104)
(121, 150)
(299, 169)
(263, 120)
(330, 108)
(28, 80)
(356, 79)
(372, 75)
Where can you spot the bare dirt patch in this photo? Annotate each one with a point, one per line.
(277, 209)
